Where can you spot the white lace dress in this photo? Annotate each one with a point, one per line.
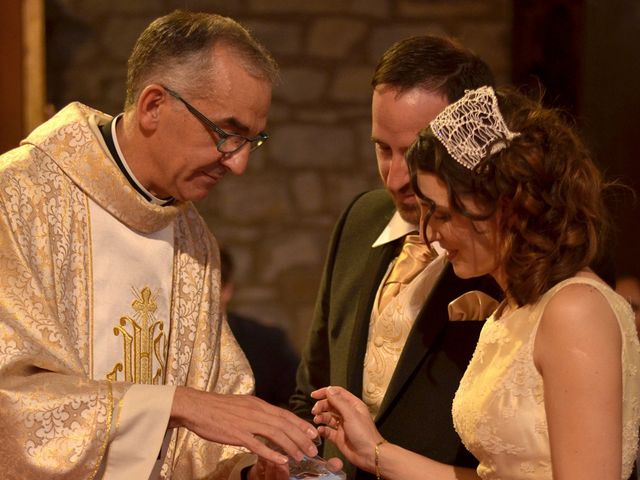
(498, 410)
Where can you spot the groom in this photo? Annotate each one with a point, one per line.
(404, 358)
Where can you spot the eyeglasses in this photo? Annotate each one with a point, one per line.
(229, 142)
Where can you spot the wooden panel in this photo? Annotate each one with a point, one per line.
(22, 79)
(33, 64)
(11, 91)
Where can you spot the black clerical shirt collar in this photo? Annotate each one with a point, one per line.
(108, 131)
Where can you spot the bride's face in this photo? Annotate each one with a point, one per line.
(471, 246)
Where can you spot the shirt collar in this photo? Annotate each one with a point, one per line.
(395, 229)
(398, 228)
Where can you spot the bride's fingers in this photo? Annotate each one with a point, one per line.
(334, 464)
(322, 419)
(321, 406)
(329, 434)
(320, 393)
(344, 403)
(323, 392)
(328, 419)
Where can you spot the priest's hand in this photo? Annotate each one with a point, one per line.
(239, 420)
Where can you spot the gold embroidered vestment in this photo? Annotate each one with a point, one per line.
(55, 420)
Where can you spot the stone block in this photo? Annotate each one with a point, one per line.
(345, 187)
(243, 266)
(78, 48)
(373, 8)
(119, 34)
(253, 198)
(332, 115)
(114, 93)
(84, 84)
(318, 114)
(255, 293)
(300, 325)
(370, 8)
(383, 37)
(308, 192)
(98, 9)
(492, 42)
(280, 38)
(365, 144)
(299, 284)
(228, 233)
(279, 112)
(301, 85)
(352, 84)
(313, 146)
(259, 159)
(334, 37)
(286, 249)
(446, 9)
(221, 7)
(297, 6)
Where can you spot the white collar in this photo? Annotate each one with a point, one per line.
(151, 197)
(398, 228)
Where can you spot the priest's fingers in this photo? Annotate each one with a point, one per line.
(284, 431)
(239, 420)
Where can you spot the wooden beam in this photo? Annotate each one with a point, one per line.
(11, 73)
(33, 64)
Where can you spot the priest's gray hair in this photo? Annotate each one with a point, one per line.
(176, 50)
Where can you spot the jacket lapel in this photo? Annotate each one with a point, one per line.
(431, 320)
(377, 264)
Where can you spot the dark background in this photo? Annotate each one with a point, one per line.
(585, 54)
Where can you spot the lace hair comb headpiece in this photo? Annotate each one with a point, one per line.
(473, 127)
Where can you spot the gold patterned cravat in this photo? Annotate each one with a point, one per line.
(413, 258)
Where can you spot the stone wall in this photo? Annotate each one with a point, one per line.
(276, 219)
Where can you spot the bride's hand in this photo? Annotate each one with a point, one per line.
(347, 423)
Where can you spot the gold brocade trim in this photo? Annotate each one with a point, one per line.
(45, 296)
(107, 431)
(142, 343)
(117, 425)
(89, 266)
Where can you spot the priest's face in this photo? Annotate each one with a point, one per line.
(397, 117)
(190, 162)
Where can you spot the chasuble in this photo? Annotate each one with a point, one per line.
(107, 302)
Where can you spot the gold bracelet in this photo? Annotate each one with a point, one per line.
(377, 458)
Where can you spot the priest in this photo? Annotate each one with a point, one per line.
(115, 360)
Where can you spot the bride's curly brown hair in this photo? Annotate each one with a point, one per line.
(544, 184)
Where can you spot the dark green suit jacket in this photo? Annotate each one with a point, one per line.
(416, 410)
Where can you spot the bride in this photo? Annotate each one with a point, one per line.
(553, 390)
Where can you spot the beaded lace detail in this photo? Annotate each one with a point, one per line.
(473, 127)
(498, 410)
